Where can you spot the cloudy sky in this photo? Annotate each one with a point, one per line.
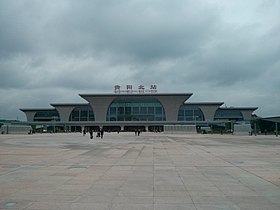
(226, 51)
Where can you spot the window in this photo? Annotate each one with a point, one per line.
(82, 113)
(151, 110)
(46, 116)
(190, 113)
(228, 114)
(136, 110)
(143, 110)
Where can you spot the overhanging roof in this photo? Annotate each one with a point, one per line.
(205, 103)
(69, 104)
(36, 110)
(137, 94)
(272, 119)
(133, 96)
(239, 108)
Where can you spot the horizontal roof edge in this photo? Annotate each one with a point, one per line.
(138, 94)
(274, 117)
(239, 108)
(69, 104)
(37, 109)
(204, 103)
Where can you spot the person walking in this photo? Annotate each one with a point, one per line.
(91, 134)
(102, 133)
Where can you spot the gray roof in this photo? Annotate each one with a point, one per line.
(37, 109)
(238, 108)
(272, 119)
(137, 94)
(69, 104)
(204, 103)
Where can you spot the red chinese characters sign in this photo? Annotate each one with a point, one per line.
(117, 88)
(141, 89)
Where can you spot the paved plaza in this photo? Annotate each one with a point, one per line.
(153, 171)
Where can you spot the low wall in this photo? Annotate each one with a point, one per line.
(179, 129)
(15, 129)
(242, 129)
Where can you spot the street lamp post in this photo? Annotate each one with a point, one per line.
(54, 119)
(276, 128)
(255, 128)
(231, 127)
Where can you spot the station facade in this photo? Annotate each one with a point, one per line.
(127, 112)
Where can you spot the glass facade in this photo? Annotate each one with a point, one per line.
(135, 110)
(46, 116)
(190, 113)
(82, 113)
(228, 114)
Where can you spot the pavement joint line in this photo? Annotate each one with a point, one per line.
(240, 167)
(158, 172)
(176, 168)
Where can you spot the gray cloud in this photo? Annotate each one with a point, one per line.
(220, 50)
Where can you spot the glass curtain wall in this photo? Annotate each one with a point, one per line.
(228, 114)
(190, 113)
(46, 116)
(83, 113)
(136, 110)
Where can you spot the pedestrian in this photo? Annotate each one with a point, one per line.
(91, 134)
(102, 133)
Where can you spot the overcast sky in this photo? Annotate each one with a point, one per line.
(225, 51)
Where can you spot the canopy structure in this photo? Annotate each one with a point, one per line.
(126, 111)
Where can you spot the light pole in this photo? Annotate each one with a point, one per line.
(54, 119)
(255, 127)
(231, 126)
(276, 129)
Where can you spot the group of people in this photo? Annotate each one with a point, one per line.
(98, 134)
(137, 132)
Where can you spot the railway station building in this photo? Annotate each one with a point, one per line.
(129, 111)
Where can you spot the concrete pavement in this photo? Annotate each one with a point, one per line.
(152, 171)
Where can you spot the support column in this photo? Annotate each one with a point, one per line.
(209, 110)
(146, 128)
